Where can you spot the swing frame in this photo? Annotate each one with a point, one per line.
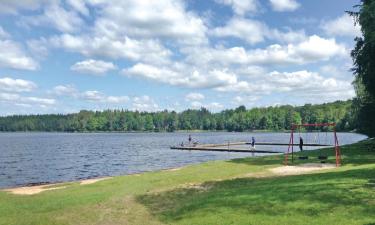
(297, 126)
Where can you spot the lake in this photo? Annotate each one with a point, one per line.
(31, 158)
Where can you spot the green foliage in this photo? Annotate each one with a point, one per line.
(240, 119)
(364, 68)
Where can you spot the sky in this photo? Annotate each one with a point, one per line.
(62, 56)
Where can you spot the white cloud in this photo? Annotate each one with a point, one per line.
(38, 48)
(144, 103)
(303, 84)
(284, 5)
(55, 16)
(16, 85)
(12, 56)
(150, 72)
(149, 19)
(117, 99)
(67, 90)
(24, 105)
(289, 36)
(10, 90)
(251, 71)
(215, 106)
(180, 75)
(212, 78)
(92, 96)
(341, 26)
(311, 50)
(245, 100)
(16, 99)
(41, 101)
(193, 96)
(196, 71)
(137, 50)
(9, 97)
(3, 33)
(196, 105)
(241, 7)
(134, 30)
(166, 42)
(333, 71)
(91, 66)
(99, 97)
(12, 7)
(253, 31)
(79, 6)
(316, 48)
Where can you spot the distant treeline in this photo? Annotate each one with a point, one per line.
(240, 119)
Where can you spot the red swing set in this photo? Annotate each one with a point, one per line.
(298, 126)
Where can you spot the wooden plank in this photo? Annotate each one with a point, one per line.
(261, 143)
(286, 144)
(199, 148)
(224, 144)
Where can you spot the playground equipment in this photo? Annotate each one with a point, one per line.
(307, 125)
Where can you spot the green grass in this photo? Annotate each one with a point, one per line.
(220, 192)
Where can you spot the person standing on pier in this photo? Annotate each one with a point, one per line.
(189, 139)
(253, 142)
(300, 144)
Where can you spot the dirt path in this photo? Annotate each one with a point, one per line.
(301, 169)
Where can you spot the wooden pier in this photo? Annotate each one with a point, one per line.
(233, 147)
(263, 143)
(218, 149)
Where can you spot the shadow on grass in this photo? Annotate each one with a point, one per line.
(314, 195)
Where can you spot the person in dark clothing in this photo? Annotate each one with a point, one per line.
(253, 142)
(300, 144)
(190, 139)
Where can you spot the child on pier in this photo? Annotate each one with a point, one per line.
(300, 144)
(252, 142)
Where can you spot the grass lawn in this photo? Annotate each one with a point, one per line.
(241, 191)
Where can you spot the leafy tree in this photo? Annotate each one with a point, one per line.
(364, 67)
(149, 124)
(240, 119)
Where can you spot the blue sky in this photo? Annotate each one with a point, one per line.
(63, 56)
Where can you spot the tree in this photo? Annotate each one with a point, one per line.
(172, 121)
(363, 56)
(149, 124)
(296, 118)
(240, 119)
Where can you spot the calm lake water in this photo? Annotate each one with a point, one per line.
(29, 158)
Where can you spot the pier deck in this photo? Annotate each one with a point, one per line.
(263, 143)
(236, 147)
(222, 149)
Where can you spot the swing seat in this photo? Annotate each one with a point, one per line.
(303, 157)
(322, 157)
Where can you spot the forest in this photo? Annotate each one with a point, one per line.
(363, 56)
(277, 118)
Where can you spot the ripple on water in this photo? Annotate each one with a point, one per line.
(57, 157)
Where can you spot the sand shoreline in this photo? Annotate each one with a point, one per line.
(36, 188)
(280, 171)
